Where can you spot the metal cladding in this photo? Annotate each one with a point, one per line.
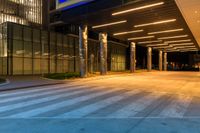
(149, 59)
(83, 50)
(103, 53)
(165, 61)
(160, 60)
(132, 57)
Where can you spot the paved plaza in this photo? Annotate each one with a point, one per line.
(132, 103)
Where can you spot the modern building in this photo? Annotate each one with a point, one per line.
(39, 37)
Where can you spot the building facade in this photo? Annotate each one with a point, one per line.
(26, 12)
(30, 51)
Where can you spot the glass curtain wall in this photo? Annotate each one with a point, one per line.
(21, 11)
(3, 49)
(28, 51)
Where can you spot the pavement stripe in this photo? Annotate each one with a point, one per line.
(155, 107)
(117, 106)
(177, 108)
(32, 90)
(135, 107)
(194, 108)
(46, 92)
(42, 99)
(36, 91)
(83, 111)
(60, 104)
(56, 112)
(49, 102)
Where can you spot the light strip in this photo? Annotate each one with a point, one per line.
(155, 23)
(186, 47)
(162, 47)
(138, 38)
(188, 40)
(127, 32)
(180, 44)
(166, 31)
(108, 24)
(137, 8)
(147, 42)
(172, 37)
(154, 45)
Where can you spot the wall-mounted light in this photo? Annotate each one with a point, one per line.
(127, 32)
(138, 38)
(156, 23)
(109, 24)
(137, 8)
(165, 31)
(172, 37)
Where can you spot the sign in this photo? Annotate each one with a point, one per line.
(68, 4)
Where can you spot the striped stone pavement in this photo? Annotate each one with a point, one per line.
(81, 100)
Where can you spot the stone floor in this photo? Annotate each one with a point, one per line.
(143, 102)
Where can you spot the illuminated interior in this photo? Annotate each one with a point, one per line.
(23, 12)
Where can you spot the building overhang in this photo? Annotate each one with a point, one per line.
(151, 21)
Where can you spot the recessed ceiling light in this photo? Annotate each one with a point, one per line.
(147, 42)
(177, 41)
(137, 8)
(138, 38)
(166, 31)
(127, 32)
(172, 37)
(109, 24)
(155, 23)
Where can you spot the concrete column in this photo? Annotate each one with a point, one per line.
(149, 59)
(160, 60)
(132, 57)
(165, 61)
(103, 53)
(92, 63)
(83, 50)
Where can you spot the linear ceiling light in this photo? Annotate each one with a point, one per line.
(162, 47)
(177, 41)
(138, 38)
(182, 44)
(147, 42)
(154, 45)
(155, 23)
(186, 47)
(127, 32)
(108, 24)
(172, 37)
(166, 31)
(137, 8)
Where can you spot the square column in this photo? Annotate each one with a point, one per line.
(83, 50)
(132, 57)
(160, 60)
(165, 61)
(149, 59)
(103, 53)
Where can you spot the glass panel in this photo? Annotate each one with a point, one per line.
(17, 66)
(27, 65)
(17, 32)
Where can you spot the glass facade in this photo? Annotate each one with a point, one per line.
(28, 51)
(23, 12)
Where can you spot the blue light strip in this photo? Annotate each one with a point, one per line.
(76, 5)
